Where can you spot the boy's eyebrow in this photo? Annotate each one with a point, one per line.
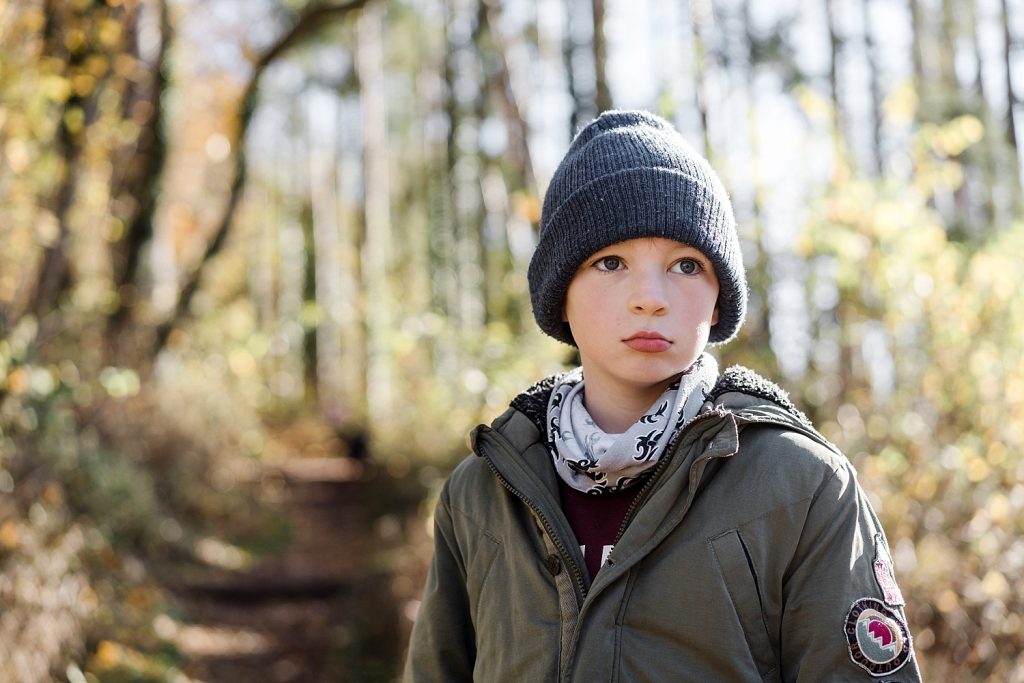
(692, 251)
(680, 246)
(610, 250)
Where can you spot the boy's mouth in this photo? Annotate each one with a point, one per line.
(648, 342)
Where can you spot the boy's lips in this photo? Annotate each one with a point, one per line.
(648, 342)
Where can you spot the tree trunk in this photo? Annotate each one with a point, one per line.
(875, 91)
(917, 44)
(700, 19)
(53, 277)
(289, 380)
(495, 253)
(986, 157)
(835, 49)
(602, 94)
(449, 227)
(350, 268)
(321, 124)
(760, 276)
(1011, 102)
(262, 276)
(310, 320)
(503, 87)
(377, 255)
(957, 104)
(569, 59)
(145, 164)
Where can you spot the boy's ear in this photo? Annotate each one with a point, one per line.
(714, 317)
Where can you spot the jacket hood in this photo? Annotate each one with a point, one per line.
(738, 390)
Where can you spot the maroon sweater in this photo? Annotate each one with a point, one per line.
(595, 520)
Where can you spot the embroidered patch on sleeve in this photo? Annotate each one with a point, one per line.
(884, 574)
(878, 638)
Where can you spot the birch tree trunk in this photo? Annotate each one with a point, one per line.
(288, 381)
(321, 117)
(351, 281)
(760, 276)
(581, 55)
(701, 19)
(377, 246)
(262, 276)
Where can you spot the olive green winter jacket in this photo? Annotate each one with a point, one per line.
(751, 553)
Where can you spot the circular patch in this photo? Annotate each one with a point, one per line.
(879, 640)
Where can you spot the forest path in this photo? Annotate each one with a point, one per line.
(329, 606)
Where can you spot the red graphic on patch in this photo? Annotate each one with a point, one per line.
(878, 637)
(880, 632)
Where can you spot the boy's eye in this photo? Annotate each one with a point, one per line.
(608, 263)
(688, 266)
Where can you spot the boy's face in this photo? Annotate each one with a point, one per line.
(641, 312)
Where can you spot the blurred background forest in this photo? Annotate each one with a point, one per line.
(262, 265)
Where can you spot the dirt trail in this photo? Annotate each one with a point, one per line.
(325, 609)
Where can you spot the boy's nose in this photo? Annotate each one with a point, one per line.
(648, 295)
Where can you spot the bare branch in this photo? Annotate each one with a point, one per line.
(312, 19)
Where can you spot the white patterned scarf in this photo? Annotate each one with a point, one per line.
(593, 461)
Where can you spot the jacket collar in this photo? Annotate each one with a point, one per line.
(738, 389)
(740, 397)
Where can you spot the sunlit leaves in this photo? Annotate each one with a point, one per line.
(943, 454)
(62, 122)
(55, 87)
(119, 382)
(953, 137)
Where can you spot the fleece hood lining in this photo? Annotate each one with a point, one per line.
(533, 401)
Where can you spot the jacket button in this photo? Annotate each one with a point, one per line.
(554, 564)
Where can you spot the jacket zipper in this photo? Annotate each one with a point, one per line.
(641, 496)
(567, 559)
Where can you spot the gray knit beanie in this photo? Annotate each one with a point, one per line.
(629, 174)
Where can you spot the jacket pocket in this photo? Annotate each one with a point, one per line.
(479, 569)
(739, 576)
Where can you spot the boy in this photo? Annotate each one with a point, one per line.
(644, 518)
